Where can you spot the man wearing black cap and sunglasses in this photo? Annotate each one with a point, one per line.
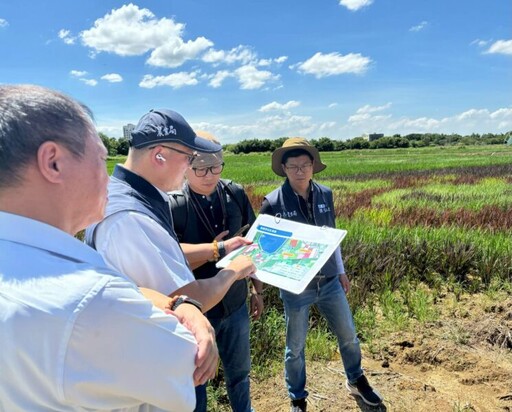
(137, 236)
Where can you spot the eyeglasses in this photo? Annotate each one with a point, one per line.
(304, 168)
(203, 171)
(190, 156)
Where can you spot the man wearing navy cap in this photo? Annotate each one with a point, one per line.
(137, 235)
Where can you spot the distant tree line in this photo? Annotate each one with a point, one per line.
(325, 144)
(115, 146)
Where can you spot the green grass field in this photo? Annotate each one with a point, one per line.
(255, 167)
(420, 222)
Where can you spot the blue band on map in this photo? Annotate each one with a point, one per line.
(274, 231)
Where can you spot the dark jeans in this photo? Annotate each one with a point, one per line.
(232, 336)
(328, 295)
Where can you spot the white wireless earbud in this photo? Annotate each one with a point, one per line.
(160, 157)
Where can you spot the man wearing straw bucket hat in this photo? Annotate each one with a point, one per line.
(302, 200)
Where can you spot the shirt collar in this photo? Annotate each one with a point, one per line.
(36, 234)
(211, 198)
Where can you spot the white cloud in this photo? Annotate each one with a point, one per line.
(77, 73)
(268, 62)
(327, 126)
(240, 54)
(111, 130)
(480, 43)
(64, 35)
(132, 31)
(112, 78)
(287, 124)
(467, 122)
(264, 62)
(367, 118)
(472, 114)
(174, 80)
(500, 119)
(278, 106)
(501, 47)
(505, 114)
(263, 128)
(419, 27)
(251, 78)
(218, 78)
(332, 105)
(3, 23)
(355, 5)
(323, 65)
(372, 109)
(89, 82)
(421, 125)
(227, 133)
(176, 52)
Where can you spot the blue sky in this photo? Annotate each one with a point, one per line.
(270, 68)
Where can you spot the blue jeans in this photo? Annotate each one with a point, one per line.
(328, 295)
(232, 336)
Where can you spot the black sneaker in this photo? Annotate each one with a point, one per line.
(363, 389)
(299, 405)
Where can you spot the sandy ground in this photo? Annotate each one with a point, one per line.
(461, 362)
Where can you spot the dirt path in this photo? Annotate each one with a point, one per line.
(462, 362)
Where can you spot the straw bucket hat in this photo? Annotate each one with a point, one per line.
(294, 143)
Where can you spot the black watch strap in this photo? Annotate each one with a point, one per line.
(222, 249)
(186, 299)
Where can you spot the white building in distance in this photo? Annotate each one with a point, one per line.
(127, 129)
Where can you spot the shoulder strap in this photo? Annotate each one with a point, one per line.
(179, 212)
(226, 184)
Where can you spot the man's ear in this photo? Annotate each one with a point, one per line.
(50, 161)
(156, 156)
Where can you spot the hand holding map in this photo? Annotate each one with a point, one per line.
(287, 254)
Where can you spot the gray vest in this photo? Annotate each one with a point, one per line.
(284, 201)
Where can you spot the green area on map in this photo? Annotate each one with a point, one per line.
(292, 260)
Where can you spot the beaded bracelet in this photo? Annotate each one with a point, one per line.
(216, 254)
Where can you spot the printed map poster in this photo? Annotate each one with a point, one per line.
(287, 254)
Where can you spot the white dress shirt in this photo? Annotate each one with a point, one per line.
(77, 336)
(138, 246)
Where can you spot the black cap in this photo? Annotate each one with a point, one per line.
(162, 125)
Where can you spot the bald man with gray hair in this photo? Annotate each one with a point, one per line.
(76, 335)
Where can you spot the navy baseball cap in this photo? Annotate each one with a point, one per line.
(162, 125)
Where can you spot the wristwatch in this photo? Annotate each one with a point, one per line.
(222, 249)
(186, 299)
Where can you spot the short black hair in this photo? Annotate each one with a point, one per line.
(295, 153)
